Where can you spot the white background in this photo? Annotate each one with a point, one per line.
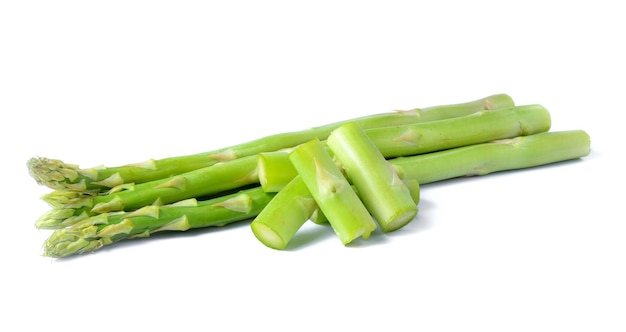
(115, 82)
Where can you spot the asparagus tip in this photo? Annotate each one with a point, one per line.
(54, 173)
(54, 218)
(63, 243)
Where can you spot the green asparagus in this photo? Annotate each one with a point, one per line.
(385, 196)
(499, 155)
(201, 182)
(58, 175)
(406, 139)
(332, 192)
(475, 128)
(292, 206)
(353, 174)
(284, 215)
(475, 160)
(95, 232)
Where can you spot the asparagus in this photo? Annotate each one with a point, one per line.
(391, 141)
(95, 232)
(475, 160)
(476, 128)
(499, 155)
(201, 182)
(332, 192)
(279, 221)
(385, 196)
(275, 170)
(58, 175)
(292, 206)
(429, 137)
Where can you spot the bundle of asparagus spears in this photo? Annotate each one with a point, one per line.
(354, 175)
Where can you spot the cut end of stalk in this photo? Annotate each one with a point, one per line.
(362, 232)
(398, 221)
(539, 122)
(267, 236)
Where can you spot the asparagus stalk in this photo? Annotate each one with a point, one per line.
(499, 155)
(201, 182)
(481, 159)
(476, 128)
(391, 141)
(292, 206)
(428, 137)
(58, 175)
(332, 192)
(95, 232)
(385, 196)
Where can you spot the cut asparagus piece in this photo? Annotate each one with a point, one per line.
(284, 215)
(58, 175)
(95, 232)
(292, 206)
(319, 218)
(500, 155)
(332, 192)
(281, 170)
(385, 196)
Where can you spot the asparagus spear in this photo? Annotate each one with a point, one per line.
(332, 192)
(475, 128)
(95, 232)
(385, 196)
(427, 137)
(391, 141)
(58, 175)
(480, 159)
(499, 155)
(201, 182)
